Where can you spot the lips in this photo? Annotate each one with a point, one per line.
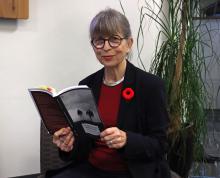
(109, 57)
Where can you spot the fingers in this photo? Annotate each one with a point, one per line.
(58, 135)
(62, 132)
(67, 146)
(66, 143)
(64, 139)
(114, 137)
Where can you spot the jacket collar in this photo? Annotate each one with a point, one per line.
(129, 80)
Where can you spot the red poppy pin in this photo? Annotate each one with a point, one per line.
(128, 94)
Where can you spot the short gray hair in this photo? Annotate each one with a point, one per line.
(109, 22)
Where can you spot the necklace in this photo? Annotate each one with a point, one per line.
(111, 84)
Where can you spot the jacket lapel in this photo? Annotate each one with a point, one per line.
(96, 86)
(126, 109)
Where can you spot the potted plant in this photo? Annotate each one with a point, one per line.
(179, 60)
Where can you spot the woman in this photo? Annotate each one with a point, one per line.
(132, 106)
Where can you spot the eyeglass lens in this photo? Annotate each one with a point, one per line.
(113, 41)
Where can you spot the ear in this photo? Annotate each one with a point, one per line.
(130, 42)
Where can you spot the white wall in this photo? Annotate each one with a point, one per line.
(51, 47)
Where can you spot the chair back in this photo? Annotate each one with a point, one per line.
(49, 155)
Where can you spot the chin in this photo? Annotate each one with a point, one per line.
(108, 63)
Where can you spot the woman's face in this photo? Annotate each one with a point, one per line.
(109, 55)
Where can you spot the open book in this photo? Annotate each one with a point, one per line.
(72, 107)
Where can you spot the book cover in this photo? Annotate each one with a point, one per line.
(74, 106)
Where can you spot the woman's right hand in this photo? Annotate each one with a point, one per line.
(64, 139)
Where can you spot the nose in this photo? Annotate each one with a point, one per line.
(106, 46)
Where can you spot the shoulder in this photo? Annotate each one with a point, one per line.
(89, 80)
(146, 79)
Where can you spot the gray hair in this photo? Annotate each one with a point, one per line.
(109, 22)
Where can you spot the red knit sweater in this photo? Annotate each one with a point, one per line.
(101, 156)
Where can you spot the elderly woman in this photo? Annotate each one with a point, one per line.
(132, 106)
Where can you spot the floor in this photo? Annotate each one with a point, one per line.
(28, 176)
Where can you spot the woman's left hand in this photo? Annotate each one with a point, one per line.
(114, 137)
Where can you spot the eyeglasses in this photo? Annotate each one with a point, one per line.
(113, 41)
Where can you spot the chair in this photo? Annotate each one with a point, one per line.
(49, 156)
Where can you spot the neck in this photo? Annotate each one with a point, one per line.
(114, 74)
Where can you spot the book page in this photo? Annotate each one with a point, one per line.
(81, 105)
(70, 88)
(82, 110)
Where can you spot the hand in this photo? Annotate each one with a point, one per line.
(64, 139)
(114, 137)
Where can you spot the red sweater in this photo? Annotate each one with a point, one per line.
(101, 156)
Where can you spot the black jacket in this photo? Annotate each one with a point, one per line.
(145, 120)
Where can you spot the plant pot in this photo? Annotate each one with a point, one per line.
(180, 155)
